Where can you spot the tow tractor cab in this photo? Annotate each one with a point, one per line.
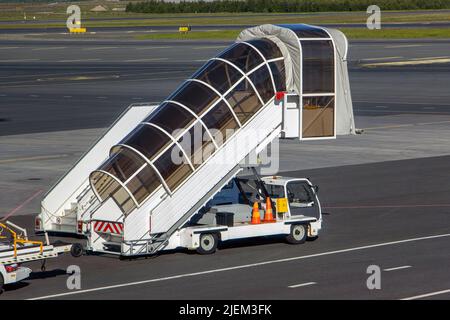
(129, 197)
(228, 215)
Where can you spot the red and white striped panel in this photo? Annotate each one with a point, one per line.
(108, 227)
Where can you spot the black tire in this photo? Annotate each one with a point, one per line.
(208, 243)
(298, 234)
(77, 250)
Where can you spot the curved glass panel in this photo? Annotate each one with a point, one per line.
(220, 75)
(243, 56)
(147, 140)
(197, 144)
(263, 83)
(318, 66)
(106, 186)
(195, 96)
(144, 183)
(244, 101)
(220, 122)
(171, 117)
(123, 163)
(279, 75)
(267, 47)
(171, 165)
(305, 31)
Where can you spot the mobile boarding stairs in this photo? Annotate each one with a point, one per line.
(307, 97)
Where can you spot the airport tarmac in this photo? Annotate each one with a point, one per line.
(385, 191)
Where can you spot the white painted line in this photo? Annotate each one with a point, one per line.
(397, 268)
(186, 275)
(79, 60)
(48, 48)
(34, 95)
(145, 60)
(99, 48)
(404, 46)
(400, 102)
(382, 107)
(148, 48)
(102, 97)
(302, 285)
(428, 108)
(431, 294)
(8, 48)
(19, 60)
(67, 96)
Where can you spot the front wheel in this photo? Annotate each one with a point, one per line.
(208, 243)
(298, 234)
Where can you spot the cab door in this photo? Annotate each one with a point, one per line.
(302, 199)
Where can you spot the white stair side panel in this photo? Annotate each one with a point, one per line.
(77, 179)
(108, 211)
(137, 223)
(173, 208)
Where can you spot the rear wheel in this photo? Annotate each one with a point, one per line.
(298, 234)
(208, 243)
(76, 250)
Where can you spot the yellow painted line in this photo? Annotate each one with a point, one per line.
(382, 58)
(210, 47)
(427, 58)
(407, 63)
(56, 156)
(407, 125)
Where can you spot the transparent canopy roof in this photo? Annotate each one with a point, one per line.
(217, 100)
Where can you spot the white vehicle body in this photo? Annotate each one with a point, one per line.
(189, 237)
(21, 273)
(129, 198)
(16, 249)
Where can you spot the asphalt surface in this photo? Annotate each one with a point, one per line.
(66, 85)
(393, 214)
(158, 28)
(366, 208)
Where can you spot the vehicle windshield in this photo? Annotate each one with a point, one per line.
(299, 194)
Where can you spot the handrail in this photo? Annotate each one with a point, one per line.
(17, 239)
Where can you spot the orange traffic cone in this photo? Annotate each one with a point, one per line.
(256, 218)
(268, 215)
